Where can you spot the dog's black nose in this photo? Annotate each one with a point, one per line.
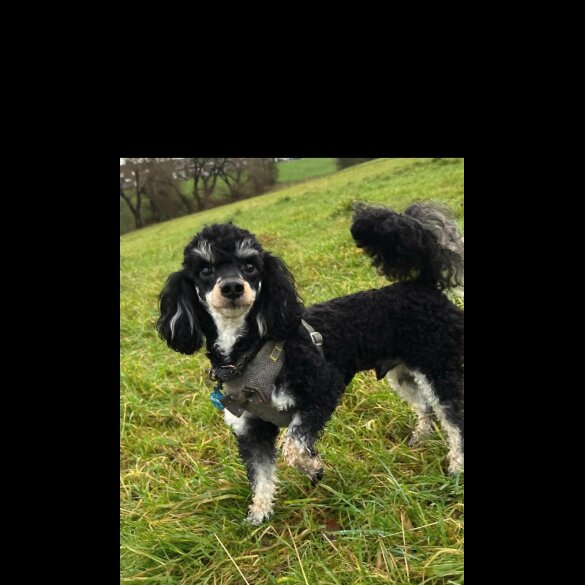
(232, 289)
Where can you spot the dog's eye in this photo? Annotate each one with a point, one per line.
(249, 268)
(206, 271)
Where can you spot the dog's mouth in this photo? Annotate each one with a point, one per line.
(232, 308)
(232, 305)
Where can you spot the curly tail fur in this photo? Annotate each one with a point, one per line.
(423, 243)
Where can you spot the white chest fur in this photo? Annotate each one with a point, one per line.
(228, 332)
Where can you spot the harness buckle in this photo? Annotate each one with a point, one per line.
(224, 373)
(316, 337)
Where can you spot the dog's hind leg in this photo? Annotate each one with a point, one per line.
(405, 385)
(444, 392)
(452, 422)
(257, 446)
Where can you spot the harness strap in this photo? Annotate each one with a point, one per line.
(316, 337)
(232, 371)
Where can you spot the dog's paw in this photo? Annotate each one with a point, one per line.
(414, 440)
(316, 477)
(256, 516)
(304, 459)
(258, 512)
(455, 464)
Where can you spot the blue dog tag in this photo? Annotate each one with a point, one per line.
(216, 397)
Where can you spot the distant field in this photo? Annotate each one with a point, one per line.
(305, 168)
(383, 513)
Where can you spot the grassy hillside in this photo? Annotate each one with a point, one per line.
(288, 172)
(384, 512)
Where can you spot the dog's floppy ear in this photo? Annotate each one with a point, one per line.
(280, 305)
(178, 323)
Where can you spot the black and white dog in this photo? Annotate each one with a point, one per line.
(237, 297)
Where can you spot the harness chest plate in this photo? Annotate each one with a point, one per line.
(252, 390)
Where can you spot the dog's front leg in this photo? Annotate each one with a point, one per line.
(307, 424)
(299, 452)
(257, 445)
(316, 396)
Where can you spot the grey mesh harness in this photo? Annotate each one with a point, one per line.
(252, 390)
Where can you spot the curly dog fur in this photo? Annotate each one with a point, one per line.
(233, 295)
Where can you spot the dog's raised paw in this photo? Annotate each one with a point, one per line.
(304, 459)
(413, 441)
(316, 477)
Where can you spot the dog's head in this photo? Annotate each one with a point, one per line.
(227, 278)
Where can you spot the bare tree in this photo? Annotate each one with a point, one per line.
(152, 179)
(164, 190)
(234, 173)
(205, 171)
(132, 171)
(157, 181)
(263, 173)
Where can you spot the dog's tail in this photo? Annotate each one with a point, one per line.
(423, 243)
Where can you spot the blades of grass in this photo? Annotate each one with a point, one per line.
(231, 559)
(298, 556)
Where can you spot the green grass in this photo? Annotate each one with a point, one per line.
(384, 512)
